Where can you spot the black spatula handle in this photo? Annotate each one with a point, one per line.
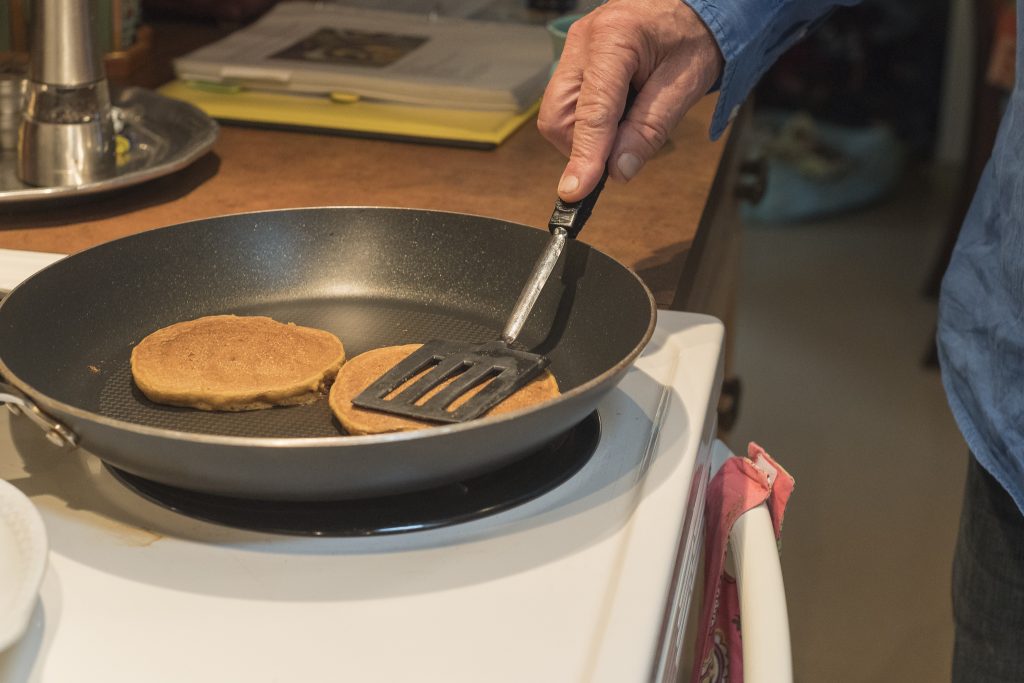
(572, 216)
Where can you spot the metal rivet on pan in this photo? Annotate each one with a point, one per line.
(56, 439)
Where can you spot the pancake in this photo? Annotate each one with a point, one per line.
(228, 362)
(361, 371)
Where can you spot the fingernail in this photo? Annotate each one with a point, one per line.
(629, 164)
(568, 184)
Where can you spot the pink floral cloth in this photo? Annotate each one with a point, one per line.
(740, 485)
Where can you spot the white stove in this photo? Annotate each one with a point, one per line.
(590, 581)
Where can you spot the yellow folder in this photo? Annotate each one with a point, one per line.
(350, 115)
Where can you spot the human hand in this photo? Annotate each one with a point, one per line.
(660, 46)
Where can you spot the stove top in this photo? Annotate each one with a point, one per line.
(588, 580)
(454, 503)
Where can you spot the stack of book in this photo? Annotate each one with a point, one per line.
(372, 72)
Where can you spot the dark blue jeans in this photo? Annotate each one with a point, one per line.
(988, 584)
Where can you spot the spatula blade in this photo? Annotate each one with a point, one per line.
(505, 370)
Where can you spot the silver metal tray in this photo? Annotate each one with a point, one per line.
(165, 135)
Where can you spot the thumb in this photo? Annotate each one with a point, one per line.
(666, 96)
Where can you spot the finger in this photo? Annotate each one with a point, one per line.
(556, 117)
(601, 100)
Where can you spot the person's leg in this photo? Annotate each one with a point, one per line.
(988, 584)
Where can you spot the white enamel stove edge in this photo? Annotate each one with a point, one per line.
(590, 581)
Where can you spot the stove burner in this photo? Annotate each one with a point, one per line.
(455, 503)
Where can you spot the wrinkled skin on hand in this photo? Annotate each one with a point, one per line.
(662, 48)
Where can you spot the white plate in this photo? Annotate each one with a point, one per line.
(23, 551)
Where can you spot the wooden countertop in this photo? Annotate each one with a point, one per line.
(648, 224)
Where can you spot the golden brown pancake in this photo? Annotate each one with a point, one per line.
(361, 371)
(228, 362)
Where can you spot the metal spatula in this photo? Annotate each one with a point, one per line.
(506, 369)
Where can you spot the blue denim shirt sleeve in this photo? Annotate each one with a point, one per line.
(752, 34)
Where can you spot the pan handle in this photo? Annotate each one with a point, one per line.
(19, 404)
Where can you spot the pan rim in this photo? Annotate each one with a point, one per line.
(45, 402)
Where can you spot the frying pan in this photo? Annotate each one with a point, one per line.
(372, 276)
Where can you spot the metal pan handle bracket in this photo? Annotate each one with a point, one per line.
(19, 404)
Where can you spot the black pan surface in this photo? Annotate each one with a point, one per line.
(374, 277)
